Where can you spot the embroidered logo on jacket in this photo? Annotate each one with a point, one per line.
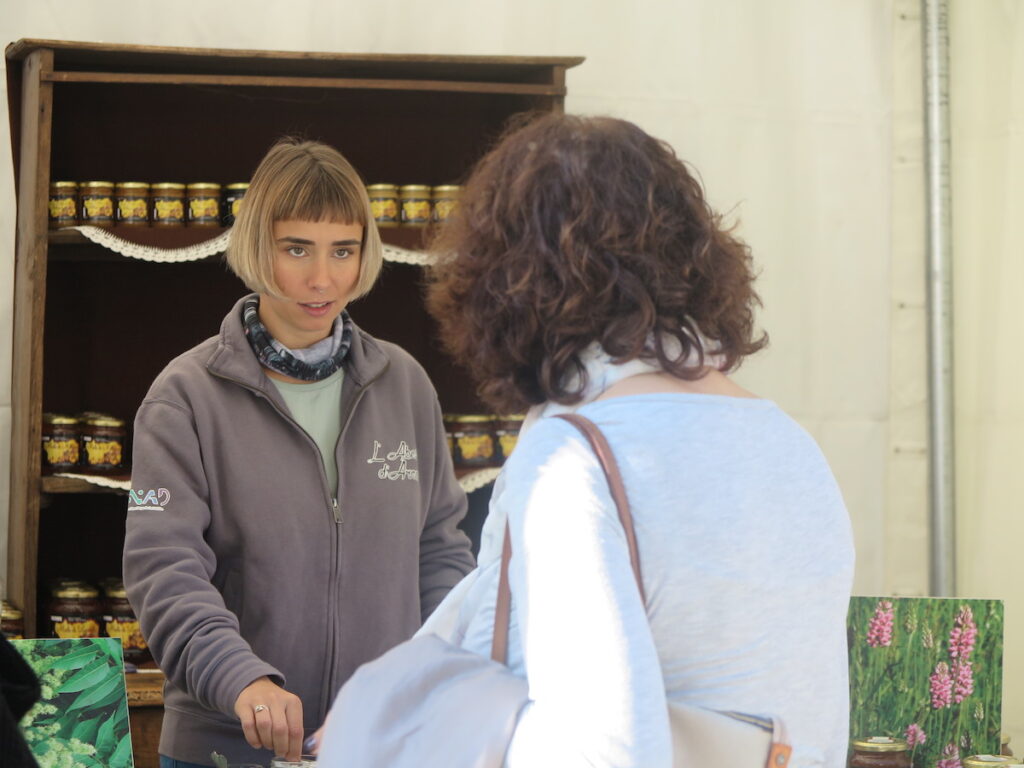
(395, 465)
(148, 501)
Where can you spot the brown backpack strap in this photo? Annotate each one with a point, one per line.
(503, 605)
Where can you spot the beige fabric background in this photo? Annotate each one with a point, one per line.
(804, 119)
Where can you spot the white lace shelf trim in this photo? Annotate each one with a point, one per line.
(103, 482)
(208, 248)
(476, 480)
(471, 482)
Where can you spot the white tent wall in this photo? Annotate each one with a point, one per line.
(804, 120)
(987, 99)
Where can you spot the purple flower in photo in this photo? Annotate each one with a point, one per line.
(963, 681)
(951, 757)
(963, 635)
(915, 735)
(880, 626)
(941, 686)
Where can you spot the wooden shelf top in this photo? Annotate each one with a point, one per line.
(110, 57)
(52, 484)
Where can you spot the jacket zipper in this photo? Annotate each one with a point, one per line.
(327, 695)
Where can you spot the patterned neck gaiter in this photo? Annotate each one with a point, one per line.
(317, 362)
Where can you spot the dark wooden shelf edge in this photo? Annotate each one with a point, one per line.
(51, 484)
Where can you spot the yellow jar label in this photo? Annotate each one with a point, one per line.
(443, 209)
(128, 631)
(61, 451)
(236, 206)
(507, 442)
(476, 447)
(62, 208)
(203, 208)
(74, 628)
(103, 452)
(384, 208)
(168, 210)
(98, 207)
(132, 209)
(416, 210)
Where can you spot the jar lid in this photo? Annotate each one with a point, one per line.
(510, 416)
(880, 744)
(105, 421)
(76, 590)
(1004, 738)
(202, 185)
(58, 418)
(382, 188)
(467, 418)
(63, 184)
(168, 185)
(86, 415)
(239, 185)
(980, 761)
(85, 184)
(406, 188)
(133, 185)
(9, 611)
(447, 189)
(116, 590)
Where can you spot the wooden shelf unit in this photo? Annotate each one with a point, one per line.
(92, 330)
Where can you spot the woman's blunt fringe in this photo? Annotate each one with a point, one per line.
(303, 181)
(576, 229)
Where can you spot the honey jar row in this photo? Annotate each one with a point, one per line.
(480, 440)
(78, 608)
(12, 622)
(141, 204)
(412, 205)
(89, 442)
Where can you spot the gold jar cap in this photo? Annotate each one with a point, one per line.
(981, 761)
(87, 184)
(239, 185)
(64, 184)
(105, 421)
(9, 611)
(382, 188)
(467, 418)
(202, 185)
(168, 185)
(447, 189)
(414, 188)
(58, 418)
(116, 590)
(76, 591)
(133, 185)
(510, 416)
(880, 744)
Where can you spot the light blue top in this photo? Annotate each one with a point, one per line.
(316, 406)
(747, 558)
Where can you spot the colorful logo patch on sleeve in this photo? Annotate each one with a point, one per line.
(148, 500)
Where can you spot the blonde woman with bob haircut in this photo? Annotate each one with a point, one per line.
(308, 507)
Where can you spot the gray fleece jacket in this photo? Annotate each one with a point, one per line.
(238, 561)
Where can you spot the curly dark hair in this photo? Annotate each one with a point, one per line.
(580, 229)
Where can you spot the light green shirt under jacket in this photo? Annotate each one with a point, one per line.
(316, 406)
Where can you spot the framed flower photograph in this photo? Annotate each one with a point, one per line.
(928, 670)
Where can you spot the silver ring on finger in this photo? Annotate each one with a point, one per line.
(259, 708)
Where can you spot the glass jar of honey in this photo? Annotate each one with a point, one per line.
(75, 611)
(96, 200)
(63, 207)
(989, 761)
(119, 620)
(168, 204)
(61, 443)
(506, 432)
(231, 201)
(202, 208)
(132, 200)
(384, 204)
(414, 204)
(471, 438)
(12, 623)
(103, 444)
(445, 199)
(879, 752)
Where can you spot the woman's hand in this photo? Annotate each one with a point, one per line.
(271, 718)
